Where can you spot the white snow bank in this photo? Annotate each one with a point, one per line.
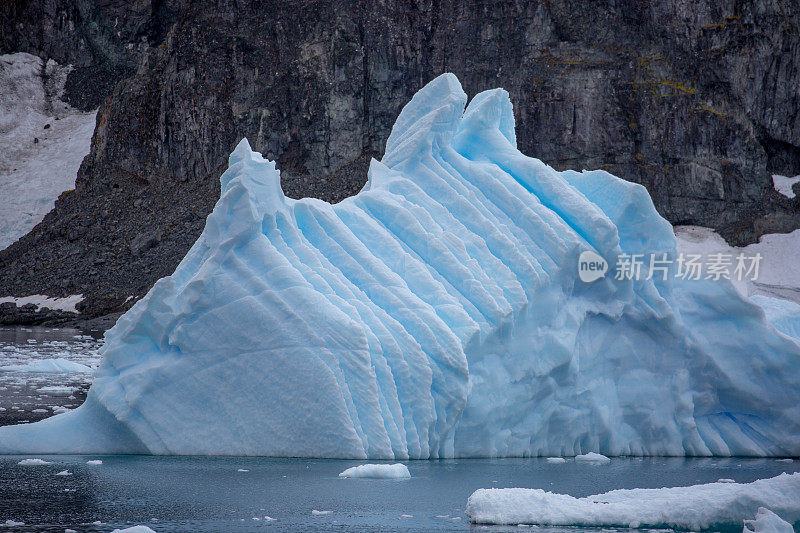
(395, 471)
(33, 462)
(48, 365)
(784, 185)
(66, 303)
(592, 457)
(767, 522)
(778, 274)
(134, 529)
(37, 163)
(695, 507)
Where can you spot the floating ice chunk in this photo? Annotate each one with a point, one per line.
(48, 365)
(696, 507)
(767, 522)
(556, 460)
(592, 457)
(269, 519)
(134, 529)
(406, 516)
(94, 462)
(726, 480)
(33, 462)
(64, 473)
(57, 390)
(316, 512)
(242, 470)
(12, 523)
(378, 471)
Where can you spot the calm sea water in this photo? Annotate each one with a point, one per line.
(235, 494)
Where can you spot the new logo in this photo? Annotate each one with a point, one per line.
(591, 266)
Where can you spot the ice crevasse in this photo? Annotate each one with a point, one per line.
(437, 313)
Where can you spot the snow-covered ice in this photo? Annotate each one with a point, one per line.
(556, 460)
(784, 184)
(47, 365)
(767, 522)
(438, 313)
(694, 508)
(378, 471)
(42, 142)
(66, 303)
(592, 457)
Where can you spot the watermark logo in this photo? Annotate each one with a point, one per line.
(661, 266)
(591, 266)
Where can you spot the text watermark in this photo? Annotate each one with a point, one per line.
(662, 266)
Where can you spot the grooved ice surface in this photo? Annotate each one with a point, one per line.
(437, 313)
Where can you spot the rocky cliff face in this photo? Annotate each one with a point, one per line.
(698, 101)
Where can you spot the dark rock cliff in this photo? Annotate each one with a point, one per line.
(698, 101)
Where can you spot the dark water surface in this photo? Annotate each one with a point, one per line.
(211, 494)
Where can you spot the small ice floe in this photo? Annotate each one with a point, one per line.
(134, 529)
(269, 519)
(64, 473)
(556, 460)
(767, 522)
(378, 471)
(243, 470)
(315, 512)
(33, 462)
(40, 411)
(12, 523)
(786, 460)
(726, 480)
(70, 531)
(58, 365)
(406, 516)
(693, 508)
(592, 457)
(56, 390)
(94, 462)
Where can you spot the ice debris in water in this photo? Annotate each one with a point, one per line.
(33, 462)
(380, 471)
(694, 508)
(437, 313)
(592, 457)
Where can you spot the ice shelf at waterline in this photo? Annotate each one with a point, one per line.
(438, 313)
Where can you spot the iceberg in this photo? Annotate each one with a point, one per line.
(438, 313)
(694, 508)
